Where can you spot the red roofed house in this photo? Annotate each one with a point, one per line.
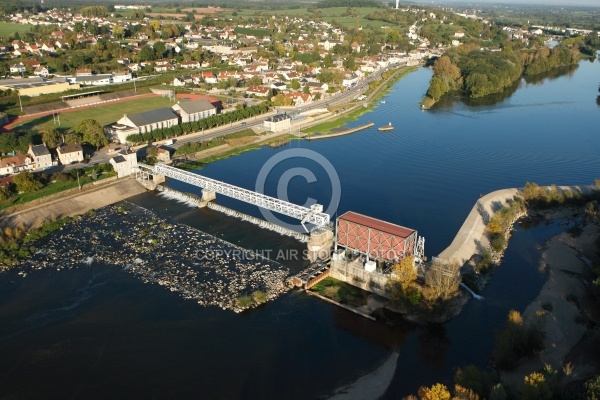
(258, 91)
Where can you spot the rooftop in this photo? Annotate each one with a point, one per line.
(377, 224)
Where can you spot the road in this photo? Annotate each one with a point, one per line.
(103, 156)
(258, 121)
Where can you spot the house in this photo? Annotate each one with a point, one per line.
(459, 34)
(121, 76)
(190, 64)
(349, 80)
(278, 123)
(148, 121)
(183, 80)
(258, 91)
(124, 163)
(15, 164)
(40, 155)
(18, 68)
(355, 47)
(70, 154)
(209, 77)
(300, 98)
(194, 110)
(41, 71)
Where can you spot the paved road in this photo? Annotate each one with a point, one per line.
(102, 156)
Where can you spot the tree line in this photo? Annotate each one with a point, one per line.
(205, 123)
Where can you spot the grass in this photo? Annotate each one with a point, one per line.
(340, 292)
(104, 114)
(232, 152)
(8, 29)
(50, 189)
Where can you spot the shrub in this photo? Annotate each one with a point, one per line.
(244, 302)
(259, 297)
(498, 242)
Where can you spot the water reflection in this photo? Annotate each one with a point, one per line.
(433, 345)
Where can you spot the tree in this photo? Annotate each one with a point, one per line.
(436, 392)
(5, 192)
(442, 281)
(26, 182)
(536, 387)
(405, 272)
(52, 137)
(159, 48)
(295, 84)
(92, 133)
(592, 388)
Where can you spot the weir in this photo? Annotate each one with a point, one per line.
(261, 223)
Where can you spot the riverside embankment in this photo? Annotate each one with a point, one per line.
(74, 202)
(471, 237)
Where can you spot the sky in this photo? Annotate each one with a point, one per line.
(595, 3)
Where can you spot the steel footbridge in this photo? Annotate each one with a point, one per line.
(313, 214)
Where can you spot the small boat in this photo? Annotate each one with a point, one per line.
(382, 101)
(387, 127)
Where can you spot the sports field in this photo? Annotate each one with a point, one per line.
(7, 29)
(104, 114)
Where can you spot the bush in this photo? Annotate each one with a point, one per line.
(244, 302)
(498, 242)
(259, 297)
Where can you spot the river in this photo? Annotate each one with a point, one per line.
(91, 332)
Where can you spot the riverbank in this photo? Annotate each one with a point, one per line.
(569, 315)
(472, 237)
(360, 108)
(76, 202)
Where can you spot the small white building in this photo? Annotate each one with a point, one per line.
(70, 154)
(278, 123)
(124, 163)
(40, 155)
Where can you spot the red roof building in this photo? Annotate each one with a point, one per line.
(375, 238)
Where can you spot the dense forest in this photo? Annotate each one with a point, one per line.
(479, 73)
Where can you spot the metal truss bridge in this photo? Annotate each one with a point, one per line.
(313, 215)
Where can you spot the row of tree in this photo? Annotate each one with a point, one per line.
(205, 123)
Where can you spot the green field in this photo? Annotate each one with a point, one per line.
(105, 114)
(328, 15)
(7, 29)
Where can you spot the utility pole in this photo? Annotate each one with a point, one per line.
(78, 183)
(20, 104)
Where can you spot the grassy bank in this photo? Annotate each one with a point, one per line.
(358, 111)
(198, 164)
(341, 292)
(52, 189)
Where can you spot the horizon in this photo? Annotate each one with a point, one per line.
(563, 3)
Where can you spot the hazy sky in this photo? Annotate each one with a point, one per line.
(595, 3)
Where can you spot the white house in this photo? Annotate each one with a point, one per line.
(278, 123)
(40, 155)
(121, 76)
(124, 163)
(72, 153)
(17, 68)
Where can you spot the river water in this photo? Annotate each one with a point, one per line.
(94, 331)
